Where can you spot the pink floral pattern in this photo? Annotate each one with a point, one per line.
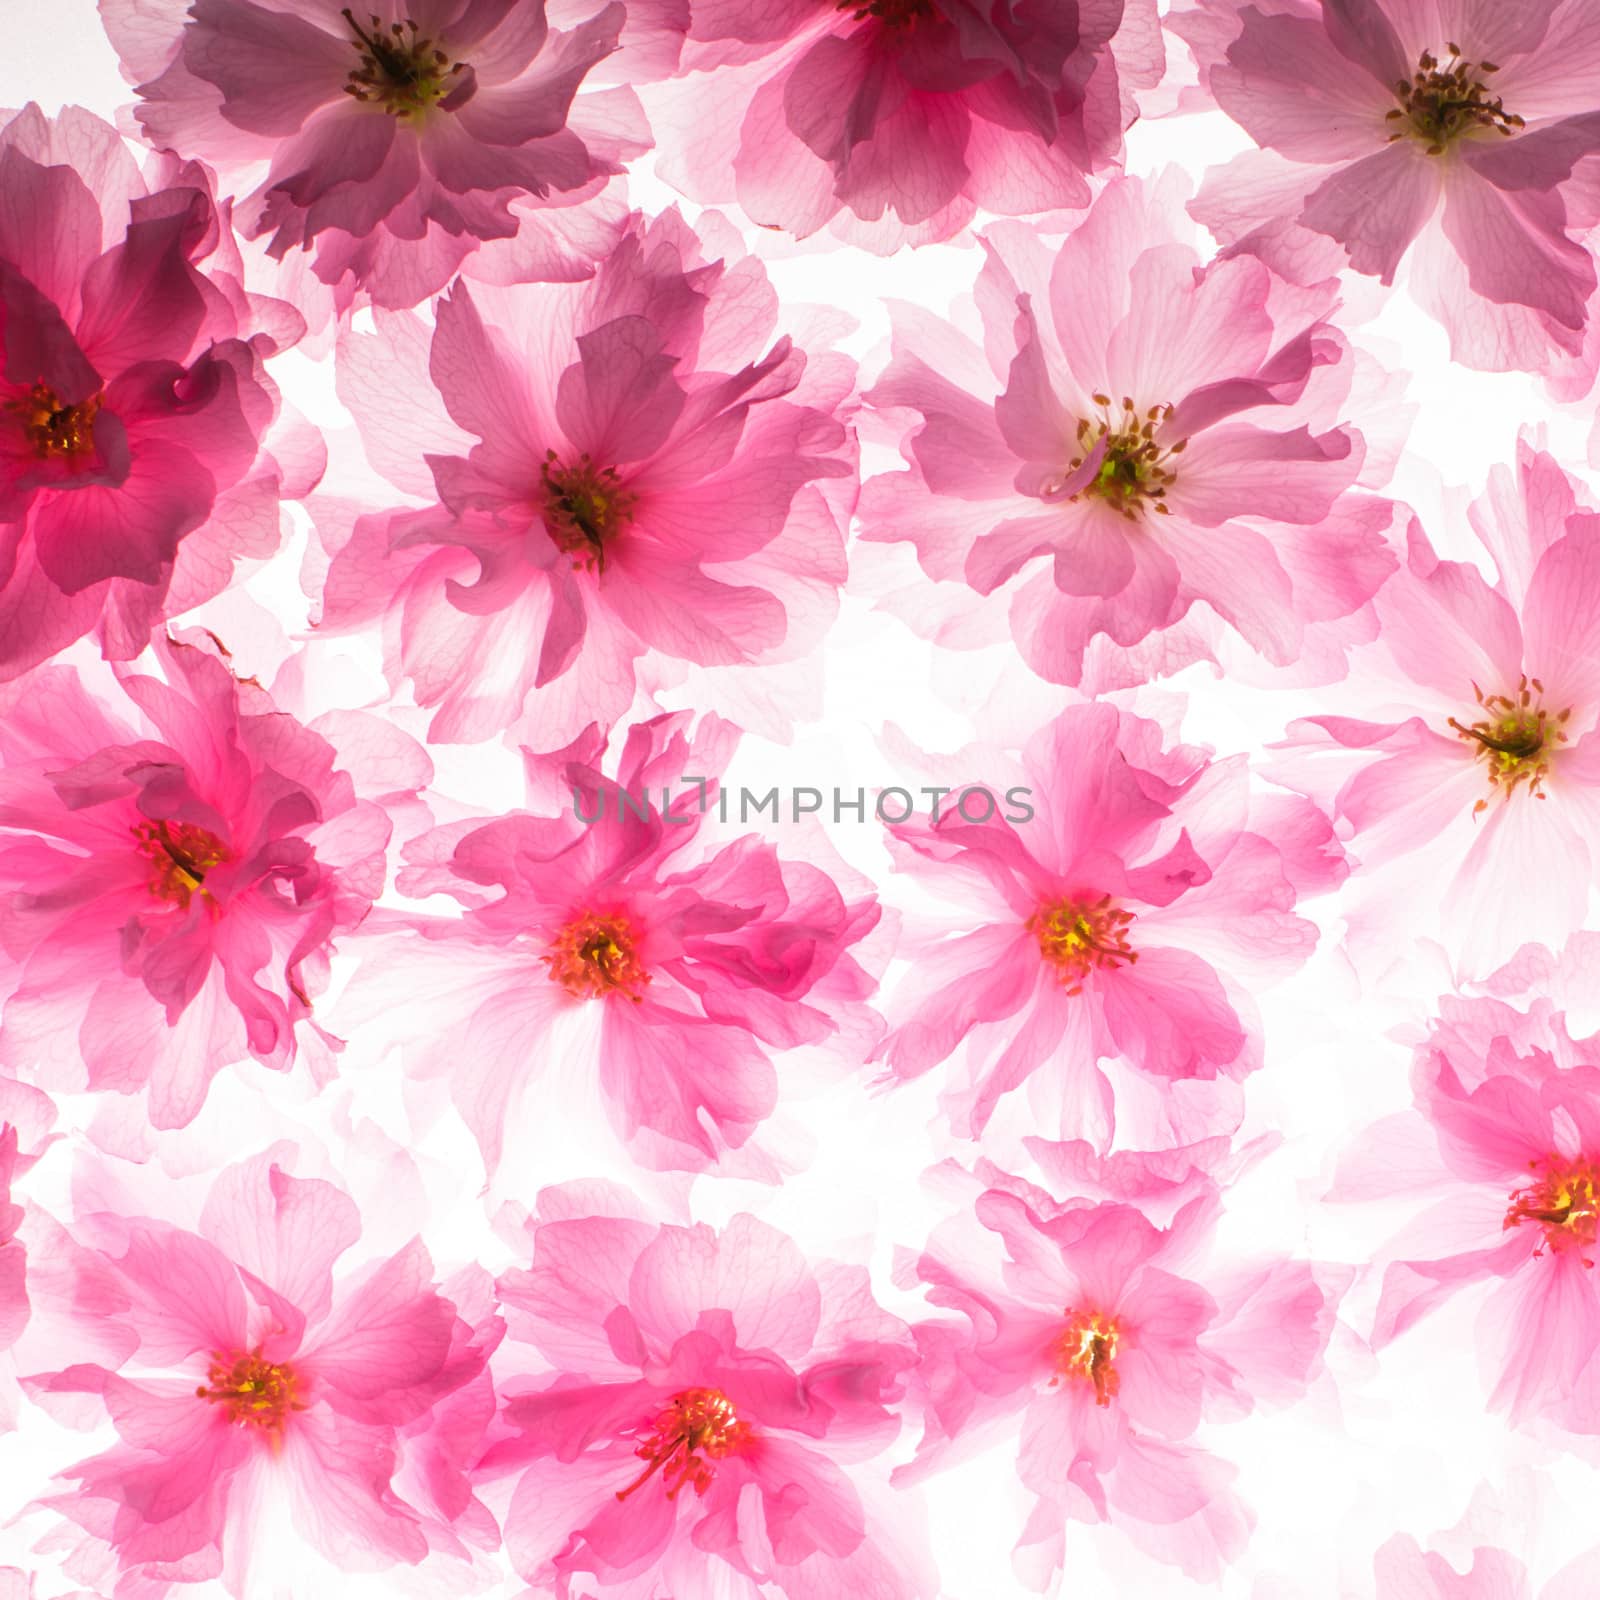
(620, 978)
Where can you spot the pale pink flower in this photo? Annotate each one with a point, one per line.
(1462, 1564)
(1500, 1159)
(257, 1370)
(13, 1253)
(1100, 1340)
(898, 120)
(176, 864)
(697, 1412)
(627, 465)
(1126, 917)
(1135, 434)
(613, 963)
(1474, 743)
(133, 403)
(1387, 126)
(392, 144)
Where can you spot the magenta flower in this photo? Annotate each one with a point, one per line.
(695, 1403)
(1135, 433)
(1124, 919)
(623, 968)
(268, 1372)
(1501, 1159)
(1386, 125)
(1101, 1340)
(625, 465)
(1484, 752)
(906, 116)
(392, 144)
(133, 402)
(175, 869)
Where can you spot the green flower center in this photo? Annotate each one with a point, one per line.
(1443, 100)
(401, 70)
(1136, 470)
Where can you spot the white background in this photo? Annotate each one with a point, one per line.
(1388, 1447)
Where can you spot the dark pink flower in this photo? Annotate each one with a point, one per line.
(175, 869)
(1500, 1159)
(700, 1400)
(133, 402)
(393, 144)
(1100, 1340)
(899, 119)
(1126, 916)
(623, 466)
(1387, 125)
(624, 967)
(1130, 434)
(1474, 739)
(254, 1366)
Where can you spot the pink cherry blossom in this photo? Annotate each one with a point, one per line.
(1099, 1340)
(1130, 435)
(612, 962)
(898, 120)
(1127, 917)
(1388, 127)
(1499, 1162)
(1472, 728)
(623, 466)
(133, 404)
(694, 1411)
(254, 1369)
(176, 863)
(390, 145)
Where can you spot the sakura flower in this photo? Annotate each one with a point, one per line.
(133, 404)
(1100, 1341)
(391, 144)
(1127, 917)
(1500, 1161)
(1387, 127)
(1473, 749)
(898, 120)
(176, 867)
(259, 1376)
(621, 466)
(1135, 434)
(612, 962)
(698, 1400)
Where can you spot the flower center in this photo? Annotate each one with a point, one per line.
(1564, 1199)
(697, 1427)
(1444, 100)
(1514, 737)
(1135, 468)
(400, 70)
(894, 13)
(1076, 937)
(1087, 1349)
(54, 429)
(584, 506)
(594, 956)
(253, 1392)
(180, 857)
